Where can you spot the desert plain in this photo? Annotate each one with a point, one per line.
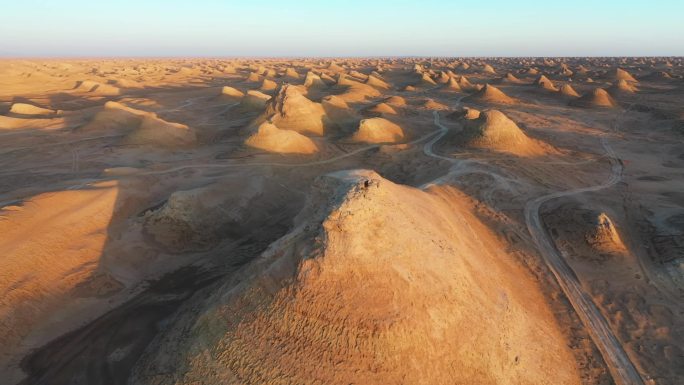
(342, 221)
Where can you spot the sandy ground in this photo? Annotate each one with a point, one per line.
(198, 221)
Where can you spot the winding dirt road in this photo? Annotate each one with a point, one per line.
(617, 360)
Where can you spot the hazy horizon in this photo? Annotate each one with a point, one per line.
(431, 28)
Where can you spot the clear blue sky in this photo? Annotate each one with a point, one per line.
(341, 28)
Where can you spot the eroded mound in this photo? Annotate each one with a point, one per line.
(378, 130)
(452, 85)
(431, 104)
(158, 132)
(382, 108)
(355, 91)
(493, 130)
(567, 90)
(621, 74)
(291, 110)
(622, 87)
(396, 101)
(603, 235)
(271, 138)
(97, 88)
(377, 284)
(377, 82)
(596, 98)
(545, 83)
(116, 116)
(254, 100)
(199, 218)
(464, 113)
(490, 94)
(141, 127)
(314, 81)
(510, 78)
(24, 109)
(231, 93)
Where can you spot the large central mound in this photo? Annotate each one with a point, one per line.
(378, 284)
(495, 131)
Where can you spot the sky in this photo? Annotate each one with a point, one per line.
(279, 28)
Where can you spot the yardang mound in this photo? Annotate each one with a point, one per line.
(270, 138)
(378, 130)
(596, 98)
(377, 284)
(493, 130)
(291, 110)
(490, 94)
(158, 132)
(23, 109)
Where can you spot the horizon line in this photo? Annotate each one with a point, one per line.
(290, 57)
